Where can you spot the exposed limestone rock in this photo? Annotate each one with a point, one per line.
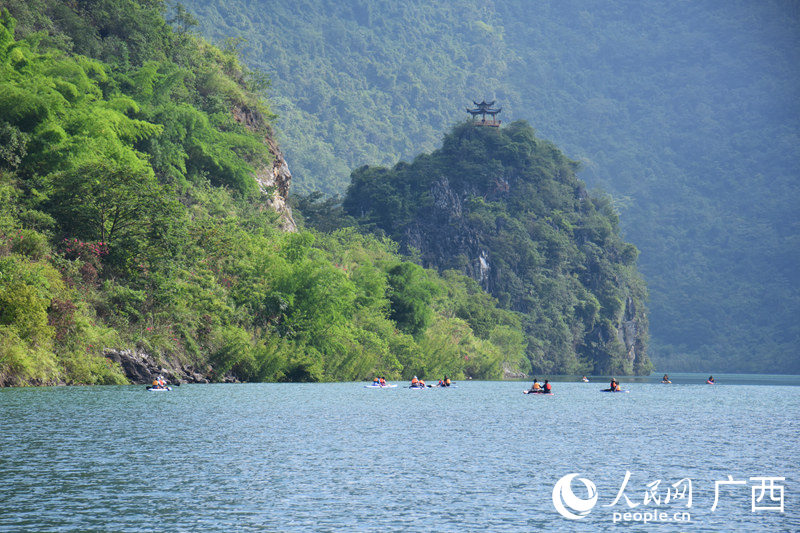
(445, 198)
(510, 373)
(142, 368)
(629, 333)
(483, 269)
(273, 180)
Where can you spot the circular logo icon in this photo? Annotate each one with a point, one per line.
(567, 504)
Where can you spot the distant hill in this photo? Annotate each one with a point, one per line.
(506, 208)
(688, 113)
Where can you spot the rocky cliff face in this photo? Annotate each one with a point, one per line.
(142, 368)
(447, 238)
(452, 236)
(274, 179)
(632, 333)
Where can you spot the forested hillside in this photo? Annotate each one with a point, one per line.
(687, 112)
(131, 217)
(506, 208)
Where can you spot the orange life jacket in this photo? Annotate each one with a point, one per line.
(415, 380)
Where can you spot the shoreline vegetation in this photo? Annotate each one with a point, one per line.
(132, 219)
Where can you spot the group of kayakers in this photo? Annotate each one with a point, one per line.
(416, 383)
(420, 383)
(536, 388)
(666, 379)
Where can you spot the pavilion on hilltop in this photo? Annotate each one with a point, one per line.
(484, 109)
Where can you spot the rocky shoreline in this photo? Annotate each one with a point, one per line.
(142, 368)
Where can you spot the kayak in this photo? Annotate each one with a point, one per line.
(662, 381)
(542, 393)
(423, 388)
(710, 382)
(387, 386)
(585, 380)
(159, 389)
(609, 390)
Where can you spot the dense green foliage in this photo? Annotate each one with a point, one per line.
(687, 112)
(506, 208)
(131, 217)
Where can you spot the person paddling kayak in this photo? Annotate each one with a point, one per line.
(665, 379)
(159, 384)
(710, 380)
(613, 387)
(417, 383)
(536, 388)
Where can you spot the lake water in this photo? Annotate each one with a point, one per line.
(325, 457)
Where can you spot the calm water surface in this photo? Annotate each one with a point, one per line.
(325, 457)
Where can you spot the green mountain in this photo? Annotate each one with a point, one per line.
(686, 112)
(139, 178)
(506, 208)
